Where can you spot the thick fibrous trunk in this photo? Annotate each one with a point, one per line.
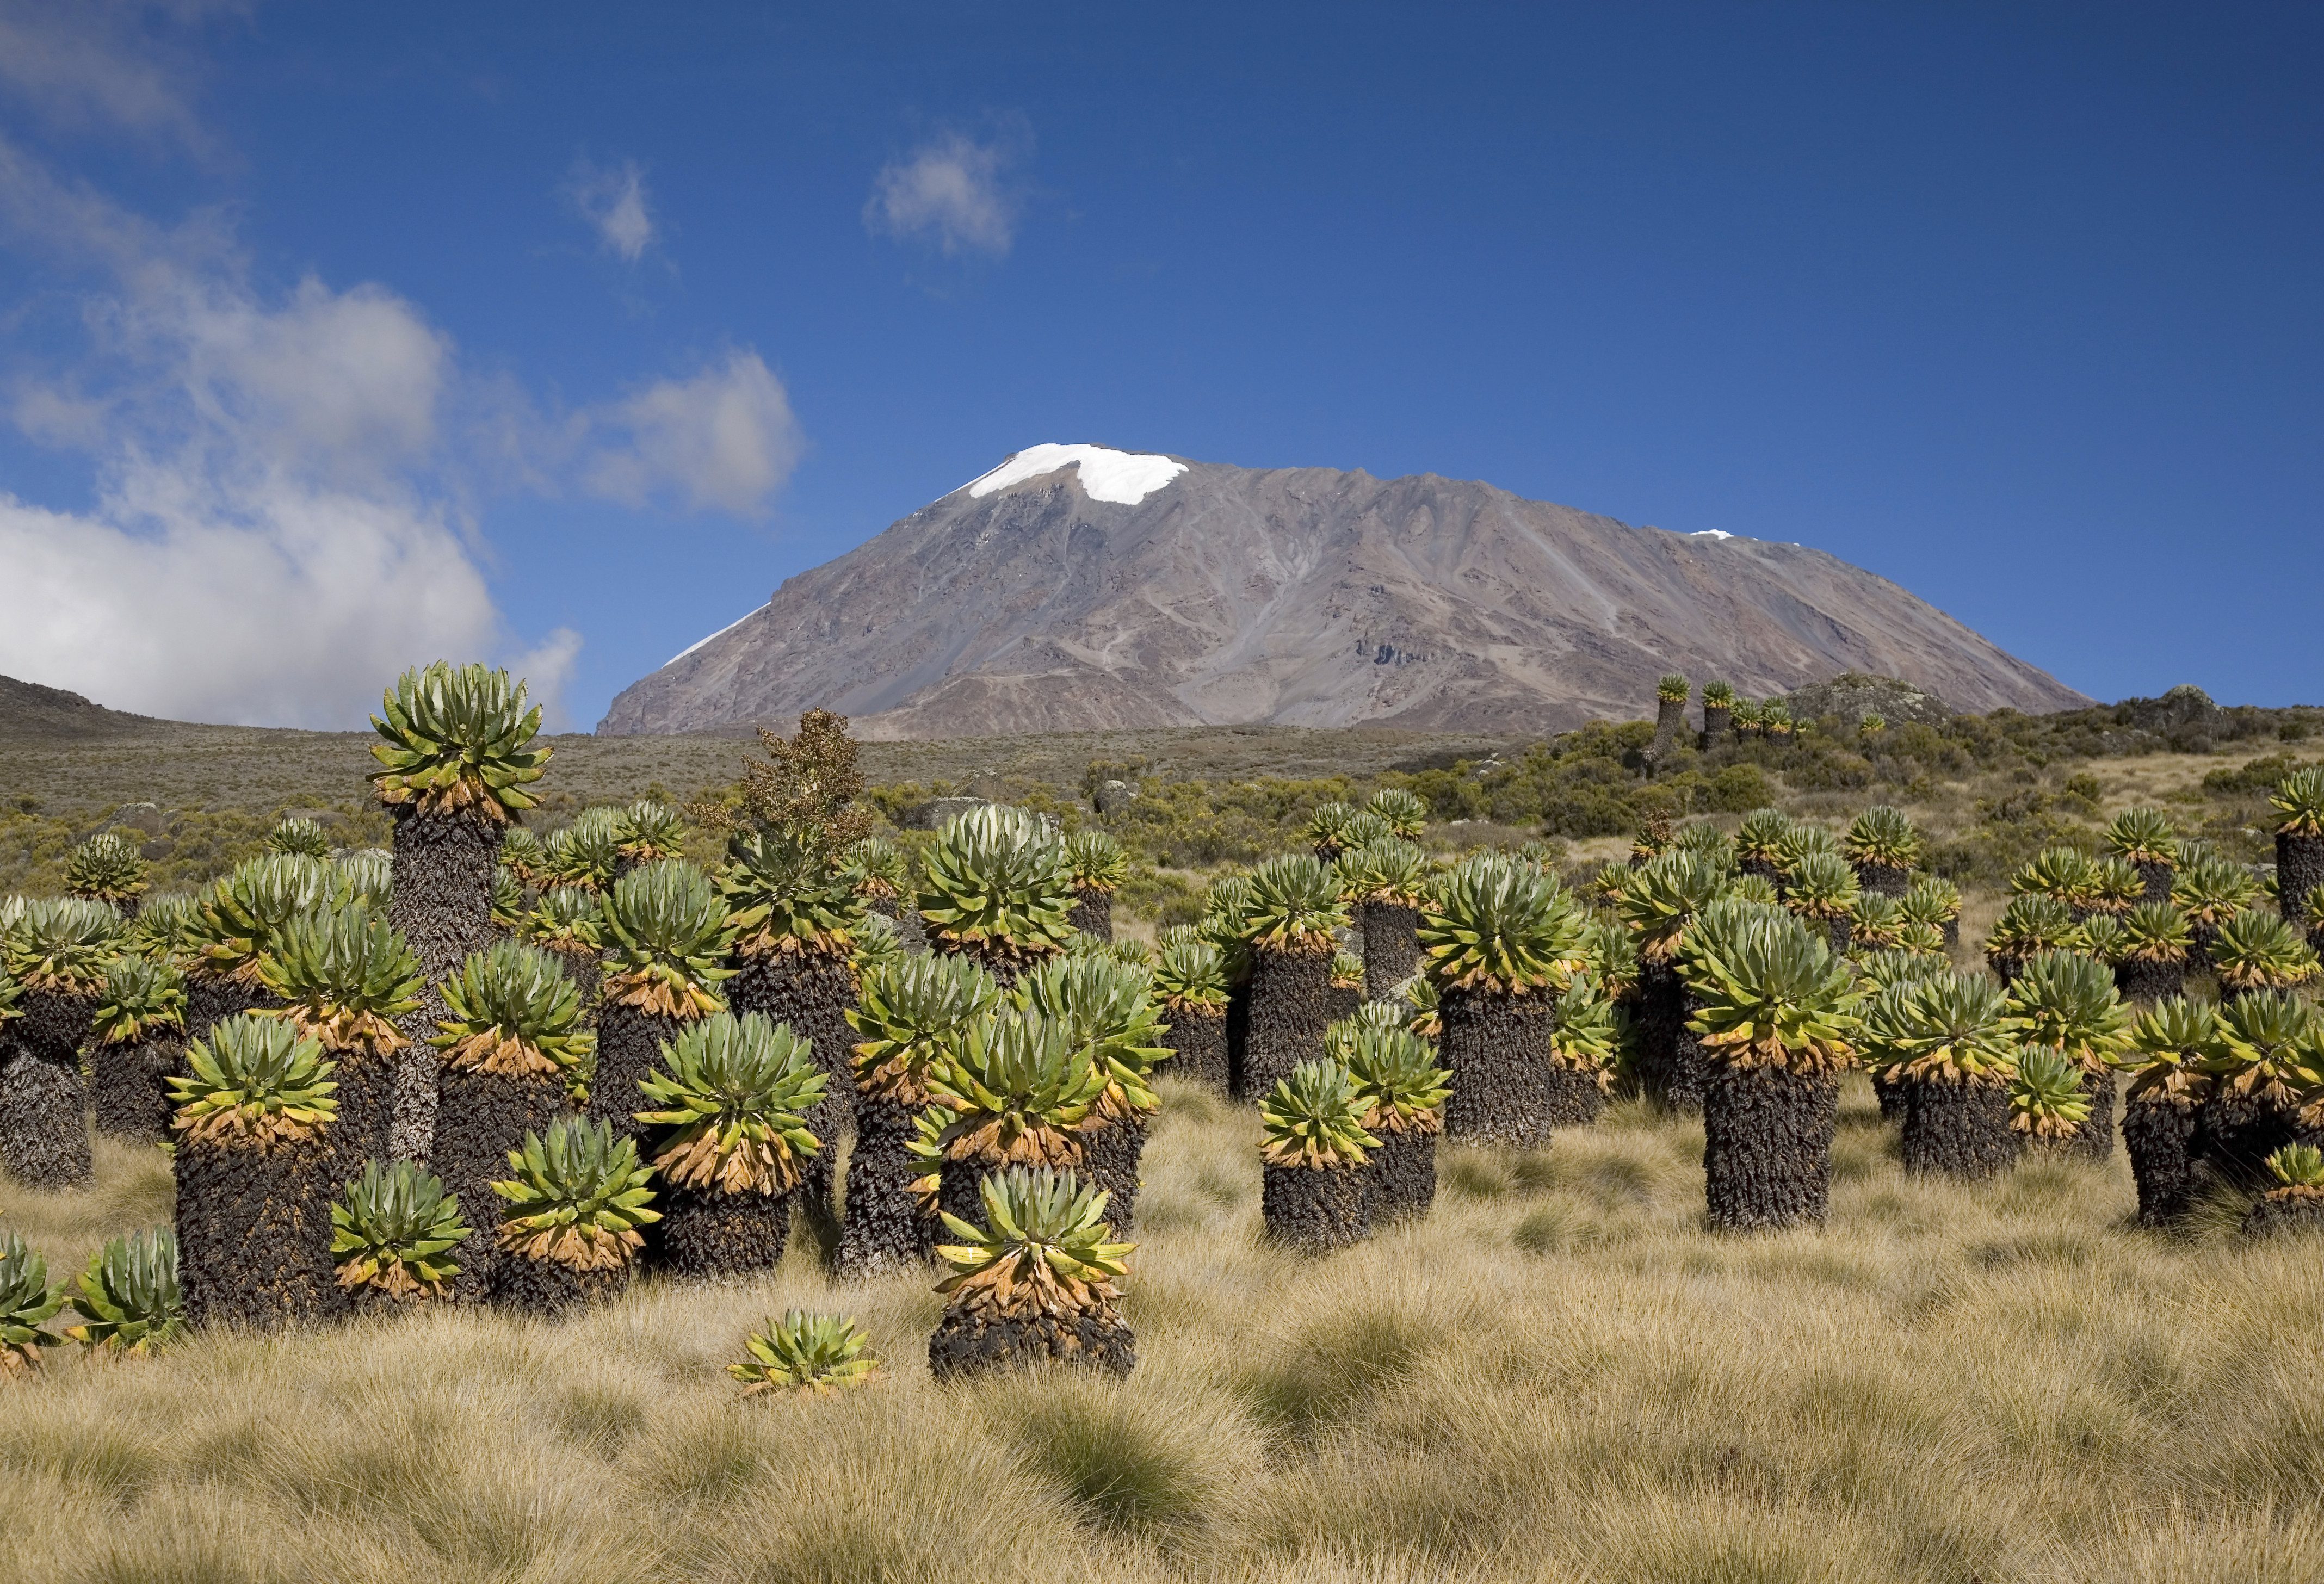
(2006, 967)
(1895, 1095)
(255, 1234)
(2160, 1137)
(2095, 1138)
(629, 1045)
(970, 1344)
(1110, 1157)
(586, 970)
(1766, 1146)
(210, 998)
(544, 1289)
(811, 991)
(366, 1096)
(1290, 1007)
(1198, 1041)
(1400, 1177)
(2298, 869)
(480, 1118)
(1957, 1129)
(2237, 1132)
(129, 1086)
(1670, 720)
(1840, 931)
(43, 1100)
(1006, 968)
(1093, 913)
(2157, 877)
(1315, 1210)
(1886, 879)
(1575, 1097)
(1392, 946)
(1496, 1045)
(885, 1230)
(1670, 1060)
(1718, 726)
(2277, 1212)
(2145, 978)
(1239, 1039)
(442, 901)
(722, 1237)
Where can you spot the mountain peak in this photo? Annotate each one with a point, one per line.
(1164, 593)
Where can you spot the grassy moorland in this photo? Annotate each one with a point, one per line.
(1558, 1375)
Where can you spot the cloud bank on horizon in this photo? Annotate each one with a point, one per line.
(284, 486)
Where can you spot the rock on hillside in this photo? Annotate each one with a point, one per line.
(1075, 587)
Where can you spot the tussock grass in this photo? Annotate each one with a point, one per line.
(1559, 1375)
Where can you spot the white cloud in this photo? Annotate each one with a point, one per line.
(614, 201)
(272, 537)
(103, 64)
(725, 440)
(950, 192)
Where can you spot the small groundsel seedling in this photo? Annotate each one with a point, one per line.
(1044, 1249)
(578, 1197)
(396, 1230)
(27, 1304)
(1310, 1120)
(458, 739)
(805, 1353)
(128, 1297)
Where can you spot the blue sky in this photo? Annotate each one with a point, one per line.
(334, 338)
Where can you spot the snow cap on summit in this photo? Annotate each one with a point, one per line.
(1122, 477)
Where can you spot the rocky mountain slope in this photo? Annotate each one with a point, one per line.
(1075, 587)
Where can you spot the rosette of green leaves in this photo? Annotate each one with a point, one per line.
(1889, 966)
(1362, 831)
(1801, 841)
(62, 943)
(128, 1298)
(876, 868)
(1772, 994)
(1096, 861)
(577, 1196)
(1390, 872)
(2143, 836)
(1323, 828)
(588, 852)
(1883, 836)
(877, 941)
(1347, 971)
(1500, 926)
(27, 1303)
(647, 831)
(909, 1014)
(1044, 1249)
(567, 919)
(256, 1081)
(1747, 716)
(457, 739)
(142, 997)
(511, 1010)
(1398, 1088)
(1012, 1089)
(1719, 696)
(2266, 1041)
(163, 927)
(2067, 1002)
(2211, 889)
(805, 1353)
(2174, 1049)
(524, 856)
(1190, 976)
(1607, 957)
(2046, 1099)
(2033, 923)
(1878, 920)
(1933, 900)
(1107, 1012)
(107, 868)
(734, 1092)
(2297, 801)
(2154, 932)
(1588, 1035)
(508, 898)
(368, 875)
(1775, 718)
(1406, 815)
(394, 1229)
(1419, 993)
(1226, 908)
(1673, 688)
(1664, 896)
(1294, 907)
(783, 898)
(243, 913)
(668, 934)
(1311, 1121)
(300, 838)
(1763, 836)
(1706, 842)
(2100, 936)
(2062, 872)
(1754, 888)
(1954, 1029)
(1341, 1034)
(2258, 950)
(2298, 1170)
(997, 884)
(1821, 886)
(1652, 839)
(2114, 886)
(347, 975)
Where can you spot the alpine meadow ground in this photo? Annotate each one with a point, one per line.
(1559, 1374)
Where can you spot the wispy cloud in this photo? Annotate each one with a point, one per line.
(612, 200)
(114, 64)
(723, 439)
(953, 192)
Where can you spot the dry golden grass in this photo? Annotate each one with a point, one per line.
(1560, 1375)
